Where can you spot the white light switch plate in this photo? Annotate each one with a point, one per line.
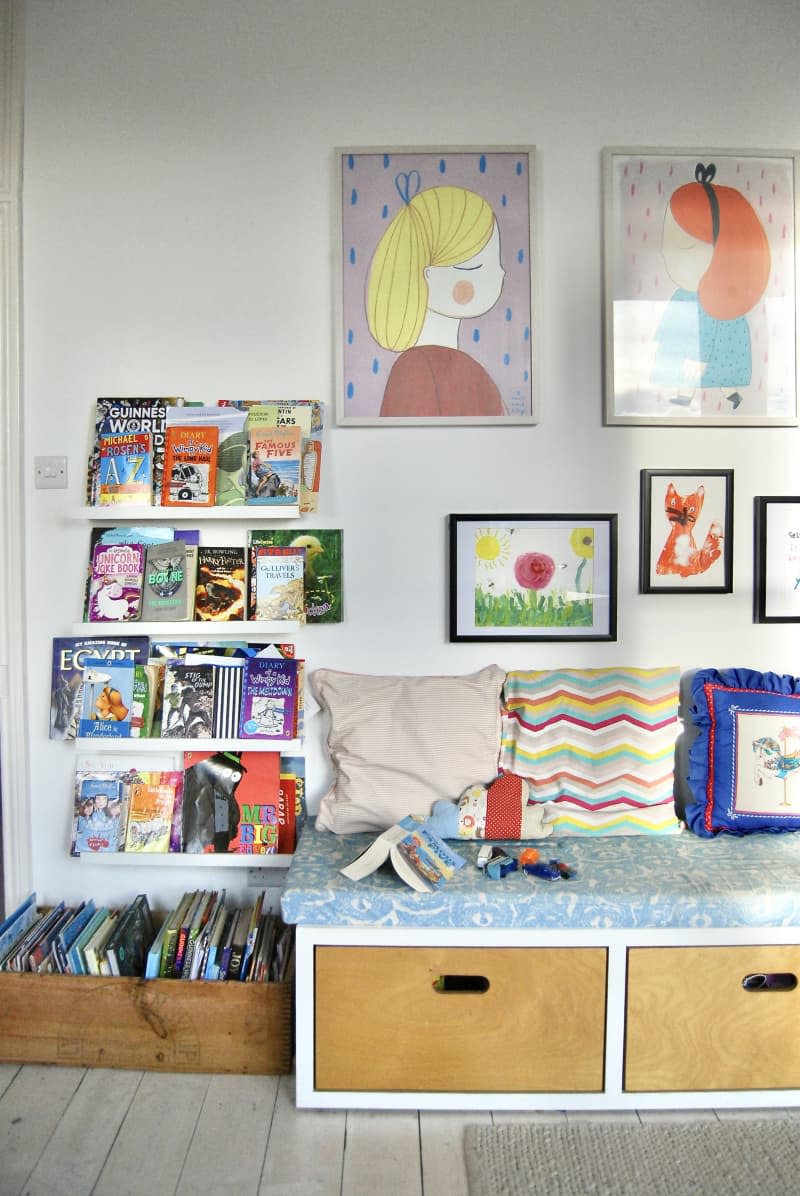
(50, 473)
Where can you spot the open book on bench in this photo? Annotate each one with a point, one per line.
(418, 856)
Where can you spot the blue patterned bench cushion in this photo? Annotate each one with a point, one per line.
(637, 882)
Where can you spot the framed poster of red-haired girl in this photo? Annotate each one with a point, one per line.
(701, 316)
(435, 286)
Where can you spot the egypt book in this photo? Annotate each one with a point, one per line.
(274, 466)
(417, 854)
(190, 465)
(221, 580)
(115, 590)
(126, 469)
(66, 677)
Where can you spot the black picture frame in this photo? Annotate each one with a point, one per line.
(776, 566)
(533, 577)
(693, 550)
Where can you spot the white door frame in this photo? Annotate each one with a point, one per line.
(14, 801)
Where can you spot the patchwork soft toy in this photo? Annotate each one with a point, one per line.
(497, 811)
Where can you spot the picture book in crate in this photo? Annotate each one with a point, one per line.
(130, 940)
(274, 466)
(233, 802)
(417, 854)
(126, 469)
(190, 465)
(270, 698)
(66, 679)
(220, 591)
(115, 590)
(322, 572)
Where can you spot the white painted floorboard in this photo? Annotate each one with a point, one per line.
(67, 1131)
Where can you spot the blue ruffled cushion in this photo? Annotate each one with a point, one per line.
(744, 765)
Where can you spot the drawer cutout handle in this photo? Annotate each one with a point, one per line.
(780, 982)
(454, 983)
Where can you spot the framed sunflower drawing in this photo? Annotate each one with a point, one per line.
(533, 577)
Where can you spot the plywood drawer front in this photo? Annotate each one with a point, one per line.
(691, 1025)
(382, 1024)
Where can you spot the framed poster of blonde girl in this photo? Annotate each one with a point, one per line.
(435, 286)
(700, 287)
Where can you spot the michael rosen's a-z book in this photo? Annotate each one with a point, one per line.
(126, 473)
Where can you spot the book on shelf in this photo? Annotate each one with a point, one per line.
(143, 534)
(66, 681)
(151, 810)
(234, 803)
(99, 811)
(293, 788)
(190, 464)
(277, 589)
(148, 685)
(226, 423)
(417, 854)
(270, 698)
(228, 675)
(322, 574)
(130, 940)
(273, 477)
(192, 554)
(115, 589)
(122, 416)
(126, 469)
(106, 698)
(165, 590)
(221, 583)
(188, 704)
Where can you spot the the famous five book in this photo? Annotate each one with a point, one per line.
(274, 465)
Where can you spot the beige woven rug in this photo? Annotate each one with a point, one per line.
(736, 1157)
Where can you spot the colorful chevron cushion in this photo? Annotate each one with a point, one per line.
(596, 745)
(744, 765)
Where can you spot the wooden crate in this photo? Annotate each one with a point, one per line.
(152, 1025)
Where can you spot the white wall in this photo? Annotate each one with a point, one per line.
(179, 239)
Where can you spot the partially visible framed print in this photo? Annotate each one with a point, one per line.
(701, 322)
(533, 577)
(777, 560)
(435, 286)
(686, 531)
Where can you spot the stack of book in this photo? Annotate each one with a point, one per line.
(235, 803)
(157, 574)
(171, 453)
(134, 687)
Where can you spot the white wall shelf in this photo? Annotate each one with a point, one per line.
(162, 859)
(101, 743)
(209, 628)
(125, 513)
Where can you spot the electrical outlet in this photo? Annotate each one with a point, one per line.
(266, 878)
(50, 473)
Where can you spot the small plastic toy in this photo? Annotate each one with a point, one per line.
(496, 862)
(552, 870)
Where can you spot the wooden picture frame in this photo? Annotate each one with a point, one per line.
(686, 531)
(533, 577)
(776, 588)
(435, 286)
(701, 320)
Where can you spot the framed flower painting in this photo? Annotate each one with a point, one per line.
(533, 577)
